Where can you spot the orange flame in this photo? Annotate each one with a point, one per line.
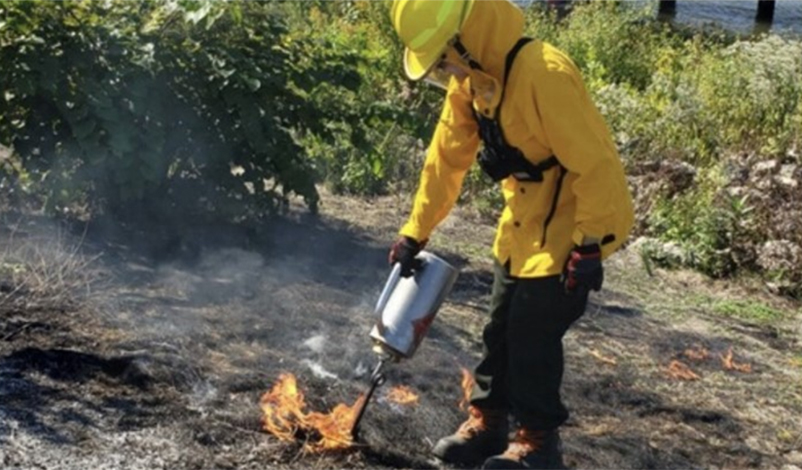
(467, 387)
(284, 417)
(729, 364)
(402, 395)
(697, 353)
(679, 370)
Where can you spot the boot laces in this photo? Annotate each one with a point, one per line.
(525, 442)
(474, 424)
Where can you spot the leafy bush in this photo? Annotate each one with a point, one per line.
(374, 129)
(609, 41)
(156, 109)
(703, 221)
(753, 92)
(695, 96)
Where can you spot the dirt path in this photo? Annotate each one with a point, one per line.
(165, 365)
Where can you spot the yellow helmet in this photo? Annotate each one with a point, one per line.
(425, 28)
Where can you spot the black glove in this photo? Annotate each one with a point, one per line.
(583, 269)
(404, 251)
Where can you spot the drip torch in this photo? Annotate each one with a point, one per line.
(404, 312)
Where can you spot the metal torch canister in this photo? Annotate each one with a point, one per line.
(405, 310)
(407, 305)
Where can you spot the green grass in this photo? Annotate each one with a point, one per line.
(749, 310)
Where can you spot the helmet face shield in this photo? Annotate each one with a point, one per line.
(438, 76)
(485, 88)
(447, 67)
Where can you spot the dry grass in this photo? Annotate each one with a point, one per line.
(44, 271)
(187, 351)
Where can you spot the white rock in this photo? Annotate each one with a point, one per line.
(777, 255)
(794, 457)
(764, 167)
(736, 191)
(789, 183)
(788, 170)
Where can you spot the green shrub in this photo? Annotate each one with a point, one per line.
(154, 109)
(373, 127)
(752, 92)
(701, 221)
(610, 41)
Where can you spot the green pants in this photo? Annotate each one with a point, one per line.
(522, 366)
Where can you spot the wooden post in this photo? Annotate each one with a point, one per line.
(667, 9)
(561, 6)
(765, 11)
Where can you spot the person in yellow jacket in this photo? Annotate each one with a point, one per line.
(520, 109)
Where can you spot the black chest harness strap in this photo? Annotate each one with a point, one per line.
(499, 159)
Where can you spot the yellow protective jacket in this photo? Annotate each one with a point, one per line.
(546, 111)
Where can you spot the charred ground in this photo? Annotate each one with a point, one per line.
(160, 363)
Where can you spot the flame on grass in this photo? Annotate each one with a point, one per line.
(285, 417)
(697, 353)
(681, 371)
(729, 363)
(467, 386)
(402, 395)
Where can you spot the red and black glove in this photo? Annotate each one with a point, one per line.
(404, 251)
(583, 269)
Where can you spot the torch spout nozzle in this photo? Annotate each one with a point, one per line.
(376, 379)
(377, 371)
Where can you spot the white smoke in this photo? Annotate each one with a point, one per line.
(319, 371)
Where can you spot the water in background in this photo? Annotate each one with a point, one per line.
(734, 15)
(739, 15)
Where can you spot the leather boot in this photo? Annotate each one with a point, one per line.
(482, 435)
(530, 449)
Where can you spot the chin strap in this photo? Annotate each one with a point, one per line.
(465, 55)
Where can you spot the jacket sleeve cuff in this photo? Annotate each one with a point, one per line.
(579, 236)
(413, 231)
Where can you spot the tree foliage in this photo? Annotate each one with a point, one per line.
(154, 108)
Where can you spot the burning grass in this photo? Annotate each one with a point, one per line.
(402, 395)
(285, 416)
(700, 355)
(680, 371)
(697, 353)
(728, 362)
(467, 386)
(634, 417)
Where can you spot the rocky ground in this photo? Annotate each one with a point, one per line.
(115, 355)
